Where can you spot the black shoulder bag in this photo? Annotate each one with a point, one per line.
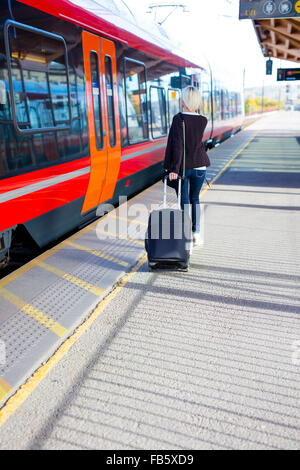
(174, 183)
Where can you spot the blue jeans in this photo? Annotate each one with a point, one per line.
(190, 191)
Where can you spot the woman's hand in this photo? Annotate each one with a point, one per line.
(173, 176)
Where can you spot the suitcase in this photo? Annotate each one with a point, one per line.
(169, 236)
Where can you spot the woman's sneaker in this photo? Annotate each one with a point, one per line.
(197, 239)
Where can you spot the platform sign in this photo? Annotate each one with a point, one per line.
(269, 67)
(181, 81)
(259, 9)
(288, 75)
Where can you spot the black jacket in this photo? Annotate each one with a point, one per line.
(196, 155)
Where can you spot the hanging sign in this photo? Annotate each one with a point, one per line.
(259, 9)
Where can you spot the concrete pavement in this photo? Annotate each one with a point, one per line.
(201, 360)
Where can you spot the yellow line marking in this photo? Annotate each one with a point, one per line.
(120, 237)
(99, 254)
(251, 121)
(126, 219)
(73, 279)
(19, 272)
(27, 267)
(228, 163)
(4, 388)
(34, 313)
(25, 390)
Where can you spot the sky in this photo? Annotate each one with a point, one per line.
(212, 27)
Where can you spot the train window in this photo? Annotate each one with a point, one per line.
(96, 99)
(21, 103)
(31, 100)
(3, 93)
(206, 100)
(233, 104)
(5, 114)
(110, 101)
(73, 91)
(225, 105)
(227, 101)
(217, 102)
(122, 112)
(41, 99)
(58, 93)
(158, 112)
(239, 103)
(136, 101)
(173, 104)
(39, 81)
(79, 101)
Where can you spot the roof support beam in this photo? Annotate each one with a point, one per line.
(281, 48)
(279, 37)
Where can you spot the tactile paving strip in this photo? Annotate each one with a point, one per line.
(58, 285)
(18, 334)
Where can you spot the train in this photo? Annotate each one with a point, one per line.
(86, 101)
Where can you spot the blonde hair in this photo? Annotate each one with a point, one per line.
(191, 97)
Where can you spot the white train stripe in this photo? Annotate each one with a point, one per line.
(142, 152)
(14, 194)
(32, 188)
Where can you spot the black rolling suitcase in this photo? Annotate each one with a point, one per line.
(168, 237)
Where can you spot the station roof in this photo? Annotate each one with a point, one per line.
(279, 37)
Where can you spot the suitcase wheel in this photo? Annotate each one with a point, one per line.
(152, 266)
(183, 267)
(168, 266)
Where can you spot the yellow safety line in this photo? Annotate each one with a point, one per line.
(34, 313)
(248, 124)
(120, 237)
(4, 388)
(27, 267)
(99, 254)
(126, 219)
(73, 279)
(25, 390)
(19, 272)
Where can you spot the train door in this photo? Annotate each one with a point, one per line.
(103, 118)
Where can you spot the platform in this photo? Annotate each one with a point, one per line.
(204, 359)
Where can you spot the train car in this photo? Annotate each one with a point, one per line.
(86, 101)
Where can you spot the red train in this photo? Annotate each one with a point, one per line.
(86, 101)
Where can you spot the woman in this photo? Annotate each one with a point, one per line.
(196, 158)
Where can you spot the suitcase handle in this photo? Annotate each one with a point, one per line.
(179, 192)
